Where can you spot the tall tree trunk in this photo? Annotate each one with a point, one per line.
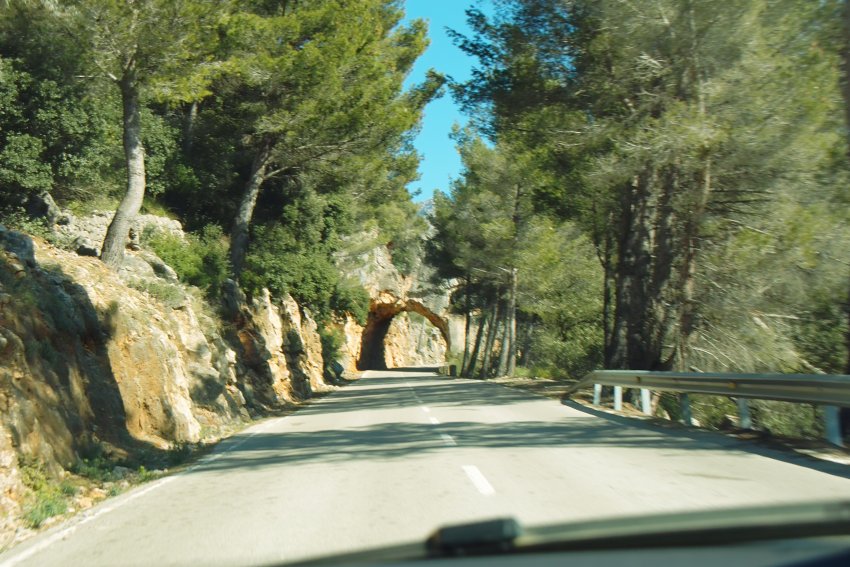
(504, 348)
(242, 223)
(688, 269)
(511, 324)
(134, 155)
(473, 358)
(847, 336)
(633, 272)
(693, 222)
(524, 358)
(607, 300)
(466, 329)
(189, 127)
(491, 338)
(845, 90)
(642, 316)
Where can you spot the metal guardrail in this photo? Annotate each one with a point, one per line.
(819, 389)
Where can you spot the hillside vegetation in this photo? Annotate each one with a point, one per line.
(269, 129)
(653, 185)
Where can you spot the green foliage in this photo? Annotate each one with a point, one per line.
(697, 151)
(332, 113)
(44, 507)
(199, 259)
(21, 164)
(350, 297)
(561, 289)
(710, 411)
(309, 276)
(144, 475)
(403, 230)
(333, 340)
(17, 219)
(170, 295)
(96, 468)
(47, 498)
(787, 419)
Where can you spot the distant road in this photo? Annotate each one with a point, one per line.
(398, 453)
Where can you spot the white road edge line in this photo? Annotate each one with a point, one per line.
(434, 420)
(478, 479)
(448, 439)
(426, 409)
(87, 517)
(62, 534)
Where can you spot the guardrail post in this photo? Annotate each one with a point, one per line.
(832, 425)
(646, 401)
(685, 402)
(597, 394)
(744, 419)
(618, 398)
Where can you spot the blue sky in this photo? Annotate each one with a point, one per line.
(440, 160)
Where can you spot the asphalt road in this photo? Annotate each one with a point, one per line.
(391, 457)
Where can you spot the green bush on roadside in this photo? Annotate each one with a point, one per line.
(199, 259)
(47, 498)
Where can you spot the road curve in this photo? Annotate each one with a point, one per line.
(398, 453)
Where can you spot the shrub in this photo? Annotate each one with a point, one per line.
(47, 499)
(787, 419)
(332, 340)
(44, 506)
(350, 297)
(310, 276)
(199, 259)
(97, 469)
(168, 294)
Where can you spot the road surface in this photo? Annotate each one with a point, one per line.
(391, 457)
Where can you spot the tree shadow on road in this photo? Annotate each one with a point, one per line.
(391, 392)
(389, 441)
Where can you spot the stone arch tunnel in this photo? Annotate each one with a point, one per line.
(381, 315)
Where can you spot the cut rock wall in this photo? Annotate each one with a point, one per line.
(118, 362)
(411, 340)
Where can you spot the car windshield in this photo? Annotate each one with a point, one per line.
(293, 279)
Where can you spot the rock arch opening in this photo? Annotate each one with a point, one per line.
(373, 347)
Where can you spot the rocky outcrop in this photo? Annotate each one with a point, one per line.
(412, 340)
(129, 361)
(409, 322)
(87, 356)
(11, 487)
(86, 233)
(282, 351)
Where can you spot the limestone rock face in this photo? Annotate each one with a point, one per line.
(303, 348)
(86, 353)
(11, 487)
(409, 321)
(261, 337)
(413, 341)
(352, 333)
(282, 349)
(88, 232)
(130, 360)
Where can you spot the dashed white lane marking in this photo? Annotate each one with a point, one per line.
(478, 479)
(426, 409)
(448, 440)
(434, 420)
